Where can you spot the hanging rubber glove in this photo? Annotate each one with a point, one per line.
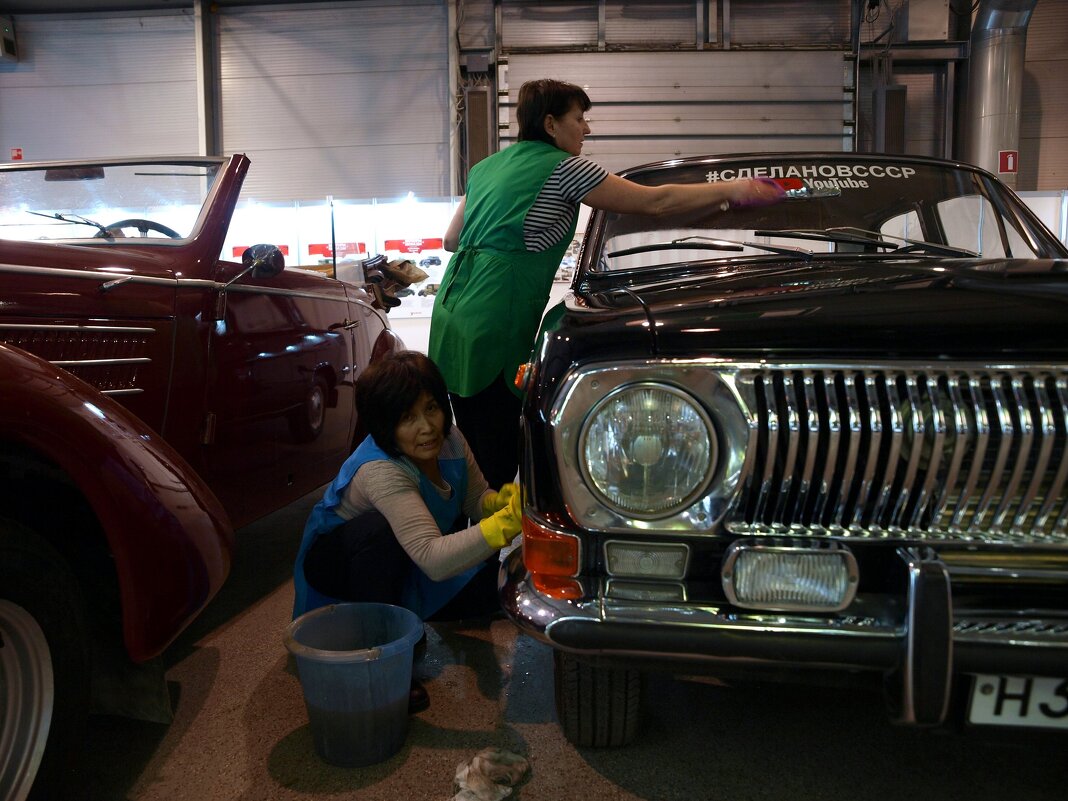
(501, 527)
(492, 501)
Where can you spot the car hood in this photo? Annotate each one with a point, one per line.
(890, 308)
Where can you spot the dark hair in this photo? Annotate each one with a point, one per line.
(546, 96)
(387, 389)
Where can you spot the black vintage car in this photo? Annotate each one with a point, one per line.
(821, 439)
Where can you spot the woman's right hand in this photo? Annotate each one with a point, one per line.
(755, 192)
(502, 526)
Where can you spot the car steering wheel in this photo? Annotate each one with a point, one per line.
(142, 225)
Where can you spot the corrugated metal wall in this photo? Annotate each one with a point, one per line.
(342, 99)
(1044, 108)
(100, 85)
(651, 106)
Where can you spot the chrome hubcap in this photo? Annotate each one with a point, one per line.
(26, 695)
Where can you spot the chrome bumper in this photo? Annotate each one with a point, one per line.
(916, 640)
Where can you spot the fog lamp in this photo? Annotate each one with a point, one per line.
(646, 559)
(818, 577)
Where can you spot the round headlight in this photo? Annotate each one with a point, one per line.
(648, 450)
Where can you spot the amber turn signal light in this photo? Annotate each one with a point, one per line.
(521, 376)
(566, 589)
(549, 553)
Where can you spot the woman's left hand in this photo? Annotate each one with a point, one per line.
(493, 501)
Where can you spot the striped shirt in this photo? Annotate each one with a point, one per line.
(554, 210)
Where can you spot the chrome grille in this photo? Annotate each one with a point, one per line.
(935, 454)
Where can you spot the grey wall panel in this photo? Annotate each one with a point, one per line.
(548, 25)
(1044, 106)
(655, 105)
(475, 24)
(100, 85)
(651, 23)
(341, 99)
(788, 22)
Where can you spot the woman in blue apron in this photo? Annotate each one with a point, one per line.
(391, 527)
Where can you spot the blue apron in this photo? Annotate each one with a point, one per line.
(421, 594)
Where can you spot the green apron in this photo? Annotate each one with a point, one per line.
(494, 291)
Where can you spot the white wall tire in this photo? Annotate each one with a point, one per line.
(26, 697)
(44, 670)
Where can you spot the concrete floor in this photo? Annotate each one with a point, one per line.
(241, 729)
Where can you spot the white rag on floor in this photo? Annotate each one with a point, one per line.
(490, 775)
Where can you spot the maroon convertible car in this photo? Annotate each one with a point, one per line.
(153, 396)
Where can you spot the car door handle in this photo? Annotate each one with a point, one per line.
(348, 325)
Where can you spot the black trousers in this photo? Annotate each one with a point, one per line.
(489, 421)
(361, 560)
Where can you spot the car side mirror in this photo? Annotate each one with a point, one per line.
(264, 261)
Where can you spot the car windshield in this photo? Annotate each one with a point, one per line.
(836, 205)
(107, 202)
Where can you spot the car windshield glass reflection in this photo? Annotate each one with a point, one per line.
(108, 202)
(834, 208)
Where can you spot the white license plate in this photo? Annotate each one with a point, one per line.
(1019, 701)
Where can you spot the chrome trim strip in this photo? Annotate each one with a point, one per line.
(834, 438)
(99, 362)
(810, 434)
(865, 493)
(1047, 435)
(773, 434)
(94, 329)
(961, 437)
(178, 283)
(912, 466)
(1026, 428)
(121, 391)
(97, 276)
(982, 440)
(1062, 469)
(793, 434)
(897, 438)
(934, 464)
(1007, 434)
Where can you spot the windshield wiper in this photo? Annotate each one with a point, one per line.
(74, 218)
(708, 243)
(840, 237)
(912, 245)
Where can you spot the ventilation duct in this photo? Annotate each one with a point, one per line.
(995, 86)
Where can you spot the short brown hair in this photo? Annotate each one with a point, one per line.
(387, 389)
(546, 96)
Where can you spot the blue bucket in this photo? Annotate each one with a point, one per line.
(355, 666)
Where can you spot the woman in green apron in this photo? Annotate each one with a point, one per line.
(509, 235)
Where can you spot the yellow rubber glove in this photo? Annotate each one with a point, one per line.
(492, 501)
(501, 527)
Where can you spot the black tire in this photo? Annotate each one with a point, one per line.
(597, 707)
(45, 664)
(307, 421)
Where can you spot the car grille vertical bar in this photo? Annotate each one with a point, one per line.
(964, 453)
(1062, 468)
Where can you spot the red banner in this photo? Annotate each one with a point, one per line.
(239, 249)
(343, 249)
(414, 245)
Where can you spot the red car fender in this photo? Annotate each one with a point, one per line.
(171, 540)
